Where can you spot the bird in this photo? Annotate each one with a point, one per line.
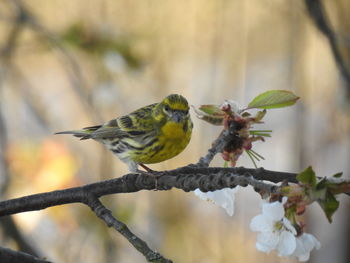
(148, 135)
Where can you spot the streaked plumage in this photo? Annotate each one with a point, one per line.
(151, 134)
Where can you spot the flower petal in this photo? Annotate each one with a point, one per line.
(310, 241)
(267, 241)
(284, 200)
(287, 244)
(224, 198)
(233, 104)
(288, 226)
(261, 223)
(275, 210)
(305, 243)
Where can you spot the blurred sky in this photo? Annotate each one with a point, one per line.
(79, 63)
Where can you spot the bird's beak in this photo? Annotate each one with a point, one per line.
(177, 116)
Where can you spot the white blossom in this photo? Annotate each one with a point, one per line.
(224, 198)
(276, 231)
(305, 243)
(233, 105)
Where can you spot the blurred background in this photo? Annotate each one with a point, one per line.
(71, 64)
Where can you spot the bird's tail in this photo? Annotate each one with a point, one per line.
(84, 134)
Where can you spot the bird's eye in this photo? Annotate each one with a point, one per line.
(166, 108)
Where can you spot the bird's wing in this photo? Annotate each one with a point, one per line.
(108, 131)
(138, 122)
(134, 124)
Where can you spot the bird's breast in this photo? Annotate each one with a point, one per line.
(173, 130)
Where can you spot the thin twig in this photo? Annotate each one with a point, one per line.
(102, 212)
(10, 228)
(28, 19)
(317, 13)
(217, 147)
(73, 69)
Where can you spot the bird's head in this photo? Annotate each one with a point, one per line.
(174, 108)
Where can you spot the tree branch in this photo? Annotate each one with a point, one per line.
(187, 178)
(11, 256)
(317, 13)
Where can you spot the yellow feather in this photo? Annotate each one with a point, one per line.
(172, 130)
(173, 139)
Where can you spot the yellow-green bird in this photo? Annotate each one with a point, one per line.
(151, 134)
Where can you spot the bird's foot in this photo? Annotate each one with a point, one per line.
(149, 170)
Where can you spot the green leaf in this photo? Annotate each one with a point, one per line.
(338, 175)
(264, 133)
(211, 109)
(322, 184)
(329, 205)
(308, 176)
(273, 99)
(256, 155)
(251, 158)
(260, 115)
(210, 113)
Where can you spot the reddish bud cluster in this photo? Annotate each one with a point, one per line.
(295, 205)
(239, 126)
